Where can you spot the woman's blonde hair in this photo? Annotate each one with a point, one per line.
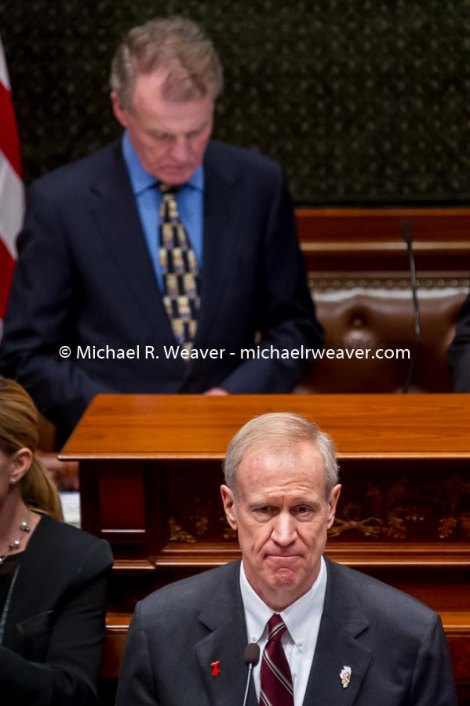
(18, 430)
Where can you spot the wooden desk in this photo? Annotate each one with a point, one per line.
(368, 240)
(150, 471)
(189, 427)
(150, 467)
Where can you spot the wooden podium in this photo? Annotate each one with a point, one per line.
(150, 468)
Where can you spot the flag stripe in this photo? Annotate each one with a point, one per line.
(12, 204)
(9, 142)
(3, 68)
(7, 264)
(11, 187)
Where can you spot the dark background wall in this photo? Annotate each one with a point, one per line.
(364, 101)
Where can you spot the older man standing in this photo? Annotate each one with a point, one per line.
(326, 634)
(151, 265)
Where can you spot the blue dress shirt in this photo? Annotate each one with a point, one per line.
(148, 199)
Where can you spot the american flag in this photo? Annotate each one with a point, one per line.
(11, 186)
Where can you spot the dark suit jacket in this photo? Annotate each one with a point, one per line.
(51, 649)
(459, 351)
(84, 277)
(395, 646)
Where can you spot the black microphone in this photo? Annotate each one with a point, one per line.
(251, 657)
(407, 236)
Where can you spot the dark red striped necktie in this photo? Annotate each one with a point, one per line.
(276, 679)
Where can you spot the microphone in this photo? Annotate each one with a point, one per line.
(407, 236)
(251, 658)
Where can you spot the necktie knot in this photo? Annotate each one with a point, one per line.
(276, 627)
(168, 189)
(169, 205)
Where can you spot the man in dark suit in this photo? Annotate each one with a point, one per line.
(91, 308)
(459, 351)
(327, 634)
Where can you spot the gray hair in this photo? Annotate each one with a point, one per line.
(276, 430)
(175, 44)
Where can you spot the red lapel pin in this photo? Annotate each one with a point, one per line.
(215, 668)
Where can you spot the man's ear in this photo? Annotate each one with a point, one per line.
(120, 113)
(19, 464)
(332, 503)
(229, 506)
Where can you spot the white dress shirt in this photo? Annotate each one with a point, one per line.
(302, 620)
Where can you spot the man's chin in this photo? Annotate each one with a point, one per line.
(284, 577)
(176, 176)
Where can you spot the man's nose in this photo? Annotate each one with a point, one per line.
(181, 149)
(283, 530)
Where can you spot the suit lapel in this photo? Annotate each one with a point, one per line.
(116, 216)
(220, 235)
(338, 646)
(223, 648)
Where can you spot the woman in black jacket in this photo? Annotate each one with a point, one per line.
(52, 576)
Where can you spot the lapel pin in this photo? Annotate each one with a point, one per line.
(345, 676)
(215, 668)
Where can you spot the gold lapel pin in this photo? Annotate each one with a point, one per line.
(345, 676)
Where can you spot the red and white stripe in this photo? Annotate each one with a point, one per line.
(11, 186)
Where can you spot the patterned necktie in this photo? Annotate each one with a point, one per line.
(180, 272)
(276, 679)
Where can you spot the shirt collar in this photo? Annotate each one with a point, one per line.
(298, 617)
(142, 180)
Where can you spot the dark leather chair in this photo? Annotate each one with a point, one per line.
(378, 320)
